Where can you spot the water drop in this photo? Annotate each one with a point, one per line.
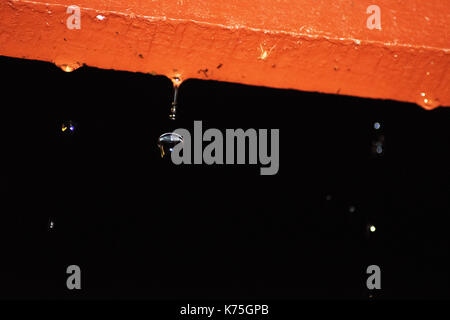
(379, 148)
(168, 141)
(378, 145)
(427, 102)
(376, 125)
(51, 224)
(173, 109)
(69, 67)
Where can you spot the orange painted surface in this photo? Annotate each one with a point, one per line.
(311, 45)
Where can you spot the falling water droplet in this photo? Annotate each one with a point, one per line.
(427, 102)
(173, 109)
(168, 141)
(376, 125)
(378, 145)
(51, 224)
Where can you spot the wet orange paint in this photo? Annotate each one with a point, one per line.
(311, 45)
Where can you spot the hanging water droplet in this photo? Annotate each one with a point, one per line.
(168, 141)
(173, 109)
(69, 67)
(427, 102)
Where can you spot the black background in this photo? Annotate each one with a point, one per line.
(140, 227)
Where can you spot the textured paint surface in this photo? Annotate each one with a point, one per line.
(311, 45)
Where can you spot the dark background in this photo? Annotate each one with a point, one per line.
(140, 227)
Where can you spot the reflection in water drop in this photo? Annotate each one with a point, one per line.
(168, 141)
(68, 127)
(173, 109)
(427, 102)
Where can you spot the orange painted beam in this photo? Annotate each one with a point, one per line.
(388, 49)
